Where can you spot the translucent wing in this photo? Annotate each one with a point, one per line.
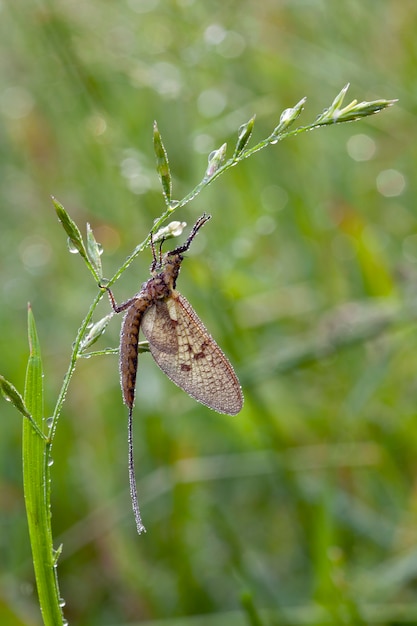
(189, 356)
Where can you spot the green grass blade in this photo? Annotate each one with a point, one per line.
(71, 229)
(36, 487)
(162, 164)
(94, 251)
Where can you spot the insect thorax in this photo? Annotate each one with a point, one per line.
(164, 281)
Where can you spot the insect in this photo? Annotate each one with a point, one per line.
(179, 343)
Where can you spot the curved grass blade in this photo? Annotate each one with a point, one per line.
(94, 251)
(162, 164)
(71, 229)
(11, 394)
(36, 485)
(244, 134)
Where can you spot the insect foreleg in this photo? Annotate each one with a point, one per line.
(199, 223)
(118, 308)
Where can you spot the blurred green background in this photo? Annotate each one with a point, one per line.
(303, 508)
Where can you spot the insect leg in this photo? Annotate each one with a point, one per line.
(157, 260)
(118, 308)
(199, 223)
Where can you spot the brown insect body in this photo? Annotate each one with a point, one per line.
(179, 343)
(178, 340)
(153, 290)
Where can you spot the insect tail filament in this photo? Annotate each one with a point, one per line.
(132, 479)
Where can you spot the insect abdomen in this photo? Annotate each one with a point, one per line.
(129, 339)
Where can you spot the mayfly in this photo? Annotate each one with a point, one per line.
(179, 343)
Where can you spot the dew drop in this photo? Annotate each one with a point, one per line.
(286, 115)
(71, 247)
(62, 602)
(49, 421)
(50, 462)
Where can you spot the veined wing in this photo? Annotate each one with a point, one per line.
(189, 356)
